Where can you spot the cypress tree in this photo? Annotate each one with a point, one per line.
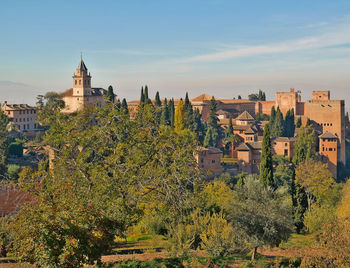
(157, 100)
(172, 113)
(110, 94)
(209, 139)
(142, 98)
(179, 116)
(272, 116)
(4, 142)
(308, 122)
(289, 125)
(164, 117)
(188, 116)
(213, 121)
(146, 93)
(277, 127)
(124, 106)
(266, 166)
(229, 130)
(117, 104)
(298, 124)
(239, 97)
(299, 201)
(198, 126)
(304, 147)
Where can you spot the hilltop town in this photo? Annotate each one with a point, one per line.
(165, 156)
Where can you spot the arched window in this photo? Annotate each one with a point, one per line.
(76, 82)
(79, 82)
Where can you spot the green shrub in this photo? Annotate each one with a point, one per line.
(16, 149)
(12, 171)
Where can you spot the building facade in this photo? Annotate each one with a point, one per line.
(22, 116)
(82, 95)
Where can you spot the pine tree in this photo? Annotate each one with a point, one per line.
(124, 106)
(266, 165)
(110, 94)
(164, 117)
(4, 143)
(239, 97)
(308, 122)
(179, 116)
(157, 101)
(209, 139)
(117, 105)
(277, 127)
(142, 98)
(298, 124)
(172, 113)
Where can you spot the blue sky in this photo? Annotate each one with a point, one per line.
(223, 48)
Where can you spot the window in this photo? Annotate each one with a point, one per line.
(20, 120)
(19, 127)
(79, 82)
(76, 82)
(77, 98)
(24, 127)
(78, 92)
(202, 160)
(330, 124)
(286, 144)
(213, 161)
(27, 126)
(335, 149)
(322, 149)
(330, 149)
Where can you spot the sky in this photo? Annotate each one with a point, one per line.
(222, 48)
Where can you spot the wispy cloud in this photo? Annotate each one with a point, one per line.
(339, 35)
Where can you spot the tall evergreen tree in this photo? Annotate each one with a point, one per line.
(172, 113)
(198, 126)
(209, 139)
(146, 93)
(124, 106)
(213, 122)
(304, 147)
(298, 124)
(164, 117)
(299, 202)
(272, 116)
(266, 165)
(110, 94)
(4, 143)
(289, 124)
(157, 101)
(239, 97)
(229, 130)
(179, 116)
(142, 98)
(277, 127)
(188, 115)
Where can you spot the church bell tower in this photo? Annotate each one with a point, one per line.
(81, 81)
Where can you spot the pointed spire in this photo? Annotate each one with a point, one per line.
(82, 66)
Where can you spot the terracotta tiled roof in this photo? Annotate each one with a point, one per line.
(285, 139)
(210, 150)
(203, 97)
(245, 116)
(249, 131)
(14, 107)
(12, 199)
(328, 135)
(244, 147)
(96, 91)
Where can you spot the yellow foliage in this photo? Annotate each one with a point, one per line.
(343, 211)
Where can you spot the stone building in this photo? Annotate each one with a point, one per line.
(22, 116)
(227, 107)
(329, 147)
(325, 114)
(283, 146)
(82, 95)
(209, 159)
